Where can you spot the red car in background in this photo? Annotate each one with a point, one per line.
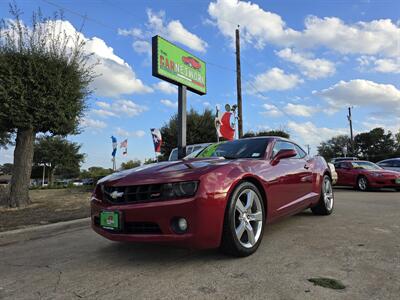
(223, 197)
(364, 175)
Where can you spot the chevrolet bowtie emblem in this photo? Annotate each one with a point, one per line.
(116, 194)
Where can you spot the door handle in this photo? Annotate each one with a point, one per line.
(306, 166)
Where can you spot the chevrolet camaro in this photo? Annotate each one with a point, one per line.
(223, 196)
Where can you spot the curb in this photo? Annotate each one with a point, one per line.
(41, 231)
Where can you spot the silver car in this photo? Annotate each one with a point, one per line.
(390, 164)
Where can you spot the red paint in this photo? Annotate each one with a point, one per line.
(289, 188)
(190, 61)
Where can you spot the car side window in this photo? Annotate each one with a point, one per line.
(300, 152)
(395, 164)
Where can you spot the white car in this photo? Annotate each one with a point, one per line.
(334, 173)
(390, 164)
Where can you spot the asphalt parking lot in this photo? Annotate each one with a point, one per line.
(359, 245)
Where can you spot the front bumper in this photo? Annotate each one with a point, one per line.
(151, 221)
(379, 182)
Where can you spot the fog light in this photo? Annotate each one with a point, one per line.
(179, 225)
(182, 224)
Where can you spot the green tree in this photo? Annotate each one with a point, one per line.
(130, 164)
(334, 147)
(59, 155)
(44, 79)
(375, 145)
(277, 132)
(95, 172)
(200, 129)
(6, 168)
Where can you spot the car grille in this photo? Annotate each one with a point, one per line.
(133, 194)
(134, 227)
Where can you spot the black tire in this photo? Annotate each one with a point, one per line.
(230, 243)
(324, 207)
(362, 184)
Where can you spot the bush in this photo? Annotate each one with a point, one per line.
(4, 194)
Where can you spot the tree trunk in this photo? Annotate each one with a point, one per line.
(51, 176)
(23, 156)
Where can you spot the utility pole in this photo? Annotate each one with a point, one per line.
(239, 85)
(308, 149)
(351, 131)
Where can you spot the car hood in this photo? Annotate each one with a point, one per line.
(167, 171)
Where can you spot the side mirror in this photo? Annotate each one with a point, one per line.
(282, 154)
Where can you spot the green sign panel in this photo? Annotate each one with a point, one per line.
(178, 66)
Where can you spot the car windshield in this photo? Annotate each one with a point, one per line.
(366, 165)
(244, 148)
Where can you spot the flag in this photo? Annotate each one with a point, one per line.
(223, 125)
(114, 146)
(157, 139)
(124, 145)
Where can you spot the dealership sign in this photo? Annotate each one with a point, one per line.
(178, 66)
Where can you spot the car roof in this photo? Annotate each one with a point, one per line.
(388, 159)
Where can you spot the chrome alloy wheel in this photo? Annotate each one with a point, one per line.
(362, 183)
(328, 193)
(248, 218)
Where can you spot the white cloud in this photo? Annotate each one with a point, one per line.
(169, 103)
(119, 108)
(360, 92)
(260, 27)
(309, 133)
(165, 87)
(382, 65)
(206, 103)
(271, 110)
(274, 79)
(309, 66)
(142, 47)
(125, 133)
(92, 123)
(115, 77)
(103, 113)
(173, 31)
(300, 110)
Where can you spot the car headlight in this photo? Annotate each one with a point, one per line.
(179, 189)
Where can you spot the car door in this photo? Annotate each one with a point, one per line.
(292, 180)
(345, 173)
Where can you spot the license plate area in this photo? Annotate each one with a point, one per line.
(110, 220)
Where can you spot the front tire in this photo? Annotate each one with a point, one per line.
(325, 204)
(362, 183)
(244, 221)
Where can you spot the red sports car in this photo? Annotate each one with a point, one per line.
(191, 62)
(223, 198)
(363, 175)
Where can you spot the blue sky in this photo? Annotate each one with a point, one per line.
(303, 64)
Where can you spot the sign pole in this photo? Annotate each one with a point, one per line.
(239, 85)
(181, 121)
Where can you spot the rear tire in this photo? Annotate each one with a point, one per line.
(325, 204)
(362, 183)
(244, 221)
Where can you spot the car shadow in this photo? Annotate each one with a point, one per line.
(350, 189)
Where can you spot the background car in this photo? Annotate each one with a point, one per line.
(333, 173)
(390, 164)
(337, 159)
(189, 149)
(223, 197)
(363, 175)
